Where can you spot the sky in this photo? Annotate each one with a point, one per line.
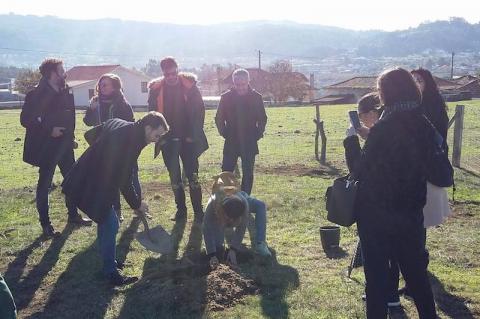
(357, 15)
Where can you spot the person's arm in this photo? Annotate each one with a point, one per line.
(353, 152)
(261, 118)
(211, 229)
(152, 99)
(195, 113)
(129, 192)
(371, 152)
(128, 113)
(91, 117)
(220, 117)
(27, 116)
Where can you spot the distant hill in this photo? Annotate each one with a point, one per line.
(26, 40)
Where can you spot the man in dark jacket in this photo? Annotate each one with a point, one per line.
(177, 97)
(106, 167)
(241, 120)
(49, 117)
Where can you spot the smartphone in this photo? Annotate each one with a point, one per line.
(354, 119)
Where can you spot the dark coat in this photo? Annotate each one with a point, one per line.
(194, 106)
(119, 108)
(45, 108)
(391, 167)
(241, 120)
(105, 168)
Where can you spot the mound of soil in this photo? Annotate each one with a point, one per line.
(226, 287)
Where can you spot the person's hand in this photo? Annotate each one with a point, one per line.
(57, 131)
(232, 258)
(363, 132)
(94, 104)
(189, 140)
(143, 208)
(214, 262)
(351, 131)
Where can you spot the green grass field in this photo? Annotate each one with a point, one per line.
(61, 278)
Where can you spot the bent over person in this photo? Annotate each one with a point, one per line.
(230, 208)
(106, 168)
(177, 97)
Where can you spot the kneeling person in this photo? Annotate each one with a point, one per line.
(230, 208)
(106, 168)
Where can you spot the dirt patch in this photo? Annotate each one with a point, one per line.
(191, 289)
(301, 170)
(226, 288)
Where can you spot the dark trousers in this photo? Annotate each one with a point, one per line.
(65, 160)
(174, 151)
(248, 163)
(136, 184)
(402, 236)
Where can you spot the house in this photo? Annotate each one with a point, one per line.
(351, 90)
(83, 79)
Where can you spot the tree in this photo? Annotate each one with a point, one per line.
(280, 66)
(153, 68)
(27, 80)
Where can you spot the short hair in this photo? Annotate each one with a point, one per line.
(240, 73)
(233, 206)
(368, 102)
(48, 66)
(168, 63)
(397, 85)
(154, 120)
(116, 81)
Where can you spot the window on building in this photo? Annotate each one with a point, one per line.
(144, 87)
(91, 92)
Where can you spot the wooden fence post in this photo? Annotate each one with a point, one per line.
(457, 135)
(320, 132)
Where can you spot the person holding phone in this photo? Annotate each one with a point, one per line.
(48, 115)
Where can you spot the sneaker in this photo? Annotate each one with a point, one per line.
(48, 231)
(262, 249)
(179, 215)
(79, 220)
(119, 215)
(118, 280)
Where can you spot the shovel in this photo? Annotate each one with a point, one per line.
(155, 239)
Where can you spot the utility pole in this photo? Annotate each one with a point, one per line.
(259, 59)
(451, 71)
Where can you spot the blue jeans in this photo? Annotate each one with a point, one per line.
(45, 177)
(106, 237)
(248, 163)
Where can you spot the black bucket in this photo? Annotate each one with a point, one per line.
(330, 237)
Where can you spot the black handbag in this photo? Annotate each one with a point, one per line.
(438, 166)
(340, 201)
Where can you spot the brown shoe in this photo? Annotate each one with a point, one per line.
(79, 220)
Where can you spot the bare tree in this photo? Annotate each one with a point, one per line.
(27, 80)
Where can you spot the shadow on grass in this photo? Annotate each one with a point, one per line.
(451, 305)
(171, 287)
(24, 290)
(275, 281)
(81, 291)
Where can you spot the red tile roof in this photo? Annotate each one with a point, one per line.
(89, 72)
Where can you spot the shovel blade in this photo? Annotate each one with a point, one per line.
(156, 239)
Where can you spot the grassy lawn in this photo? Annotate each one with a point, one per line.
(61, 278)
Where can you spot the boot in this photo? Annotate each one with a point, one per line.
(196, 198)
(181, 212)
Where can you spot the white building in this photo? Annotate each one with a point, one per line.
(82, 80)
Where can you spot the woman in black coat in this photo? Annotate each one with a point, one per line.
(391, 170)
(109, 103)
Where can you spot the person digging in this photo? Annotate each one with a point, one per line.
(228, 207)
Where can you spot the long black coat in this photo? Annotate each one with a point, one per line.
(391, 167)
(241, 121)
(105, 168)
(45, 108)
(119, 108)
